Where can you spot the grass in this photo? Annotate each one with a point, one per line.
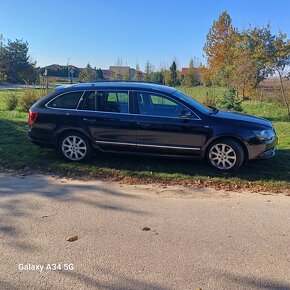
(19, 93)
(200, 92)
(18, 154)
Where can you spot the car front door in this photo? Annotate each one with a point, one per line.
(161, 128)
(105, 116)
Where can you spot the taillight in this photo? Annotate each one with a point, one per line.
(32, 117)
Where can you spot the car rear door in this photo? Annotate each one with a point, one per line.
(105, 115)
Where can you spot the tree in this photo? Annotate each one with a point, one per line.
(18, 66)
(99, 74)
(230, 101)
(157, 77)
(87, 74)
(219, 48)
(260, 44)
(206, 76)
(270, 54)
(3, 53)
(173, 74)
(148, 71)
(191, 79)
(138, 73)
(244, 76)
(167, 77)
(279, 61)
(15, 63)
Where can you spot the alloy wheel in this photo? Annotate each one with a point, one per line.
(222, 156)
(74, 148)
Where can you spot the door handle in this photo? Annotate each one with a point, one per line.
(89, 120)
(143, 125)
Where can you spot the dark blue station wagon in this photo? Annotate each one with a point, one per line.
(146, 119)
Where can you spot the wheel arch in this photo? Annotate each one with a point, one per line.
(230, 137)
(64, 132)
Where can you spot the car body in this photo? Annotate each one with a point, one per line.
(146, 119)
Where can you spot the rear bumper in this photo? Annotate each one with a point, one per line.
(40, 143)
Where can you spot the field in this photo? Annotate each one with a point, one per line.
(19, 155)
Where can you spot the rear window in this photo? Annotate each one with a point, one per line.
(66, 101)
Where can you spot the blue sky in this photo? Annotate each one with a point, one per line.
(100, 32)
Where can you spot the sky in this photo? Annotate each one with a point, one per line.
(101, 32)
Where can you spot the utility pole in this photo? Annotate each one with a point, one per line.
(68, 72)
(45, 74)
(71, 74)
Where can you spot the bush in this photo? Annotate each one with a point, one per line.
(231, 102)
(29, 98)
(11, 102)
(210, 101)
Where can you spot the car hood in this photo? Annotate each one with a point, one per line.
(242, 117)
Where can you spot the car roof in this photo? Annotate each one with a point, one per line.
(117, 85)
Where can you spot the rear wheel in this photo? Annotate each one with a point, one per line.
(225, 155)
(74, 147)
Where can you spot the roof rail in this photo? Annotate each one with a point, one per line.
(126, 81)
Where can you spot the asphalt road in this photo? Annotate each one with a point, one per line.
(4, 87)
(139, 237)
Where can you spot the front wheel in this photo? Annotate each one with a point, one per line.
(74, 147)
(225, 155)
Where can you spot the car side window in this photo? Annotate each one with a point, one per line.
(66, 101)
(90, 102)
(156, 105)
(117, 102)
(106, 101)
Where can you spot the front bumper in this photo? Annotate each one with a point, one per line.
(268, 154)
(263, 151)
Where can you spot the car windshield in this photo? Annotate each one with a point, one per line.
(202, 108)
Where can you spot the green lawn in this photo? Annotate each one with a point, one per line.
(199, 92)
(16, 153)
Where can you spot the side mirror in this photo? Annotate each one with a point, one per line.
(185, 114)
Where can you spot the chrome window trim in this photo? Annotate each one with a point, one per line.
(64, 93)
(126, 114)
(147, 145)
(172, 99)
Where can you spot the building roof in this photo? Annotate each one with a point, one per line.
(121, 70)
(184, 70)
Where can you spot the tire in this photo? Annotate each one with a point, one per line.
(225, 155)
(74, 147)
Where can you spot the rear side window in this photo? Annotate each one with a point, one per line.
(66, 101)
(106, 101)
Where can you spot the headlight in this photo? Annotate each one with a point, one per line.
(265, 135)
